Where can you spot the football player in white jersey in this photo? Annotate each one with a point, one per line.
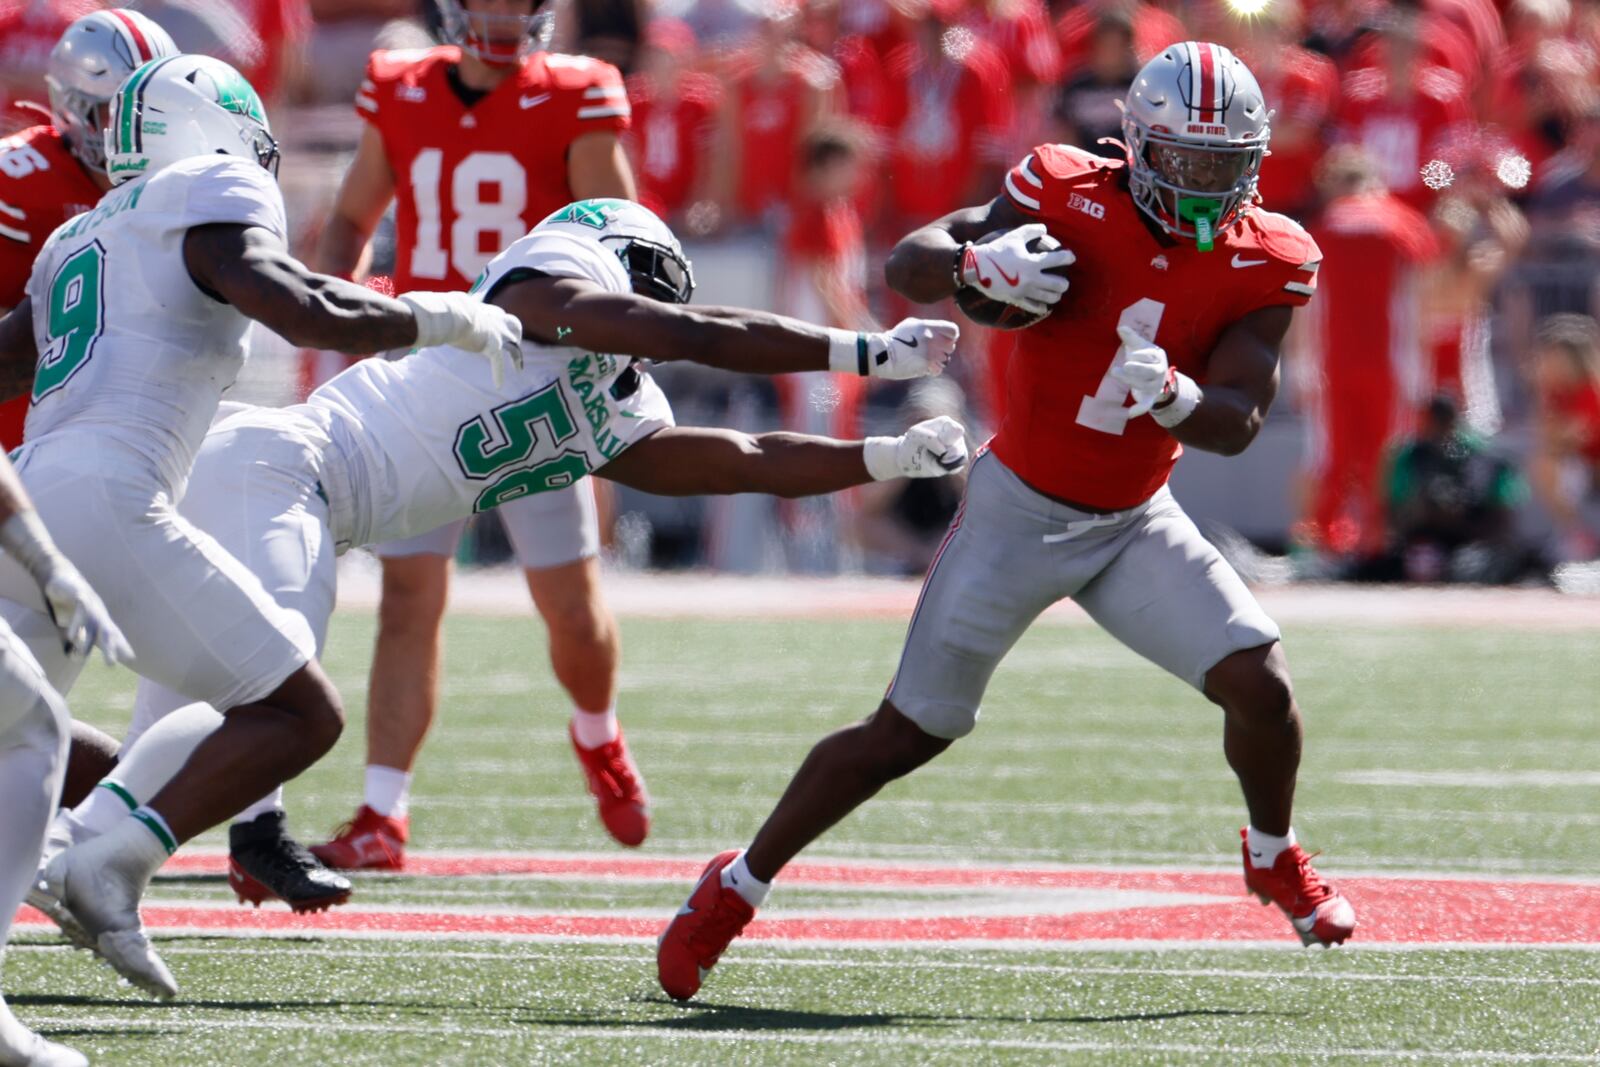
(34, 728)
(385, 450)
(136, 319)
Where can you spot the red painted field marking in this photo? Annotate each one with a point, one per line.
(1393, 910)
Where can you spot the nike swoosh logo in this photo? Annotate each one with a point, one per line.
(686, 910)
(1009, 279)
(909, 343)
(1254, 854)
(1237, 262)
(533, 101)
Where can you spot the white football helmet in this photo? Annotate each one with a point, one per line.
(499, 40)
(647, 248)
(1195, 127)
(185, 106)
(87, 65)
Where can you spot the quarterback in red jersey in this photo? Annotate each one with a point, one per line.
(1168, 336)
(50, 173)
(477, 141)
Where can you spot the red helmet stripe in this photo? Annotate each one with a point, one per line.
(1208, 84)
(141, 46)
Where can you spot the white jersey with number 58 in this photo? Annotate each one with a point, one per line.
(438, 441)
(130, 348)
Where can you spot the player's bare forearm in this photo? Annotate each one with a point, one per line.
(570, 311)
(597, 166)
(19, 356)
(922, 266)
(1242, 382)
(250, 268)
(364, 194)
(696, 461)
(342, 249)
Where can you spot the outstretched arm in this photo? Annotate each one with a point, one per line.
(571, 311)
(695, 461)
(251, 268)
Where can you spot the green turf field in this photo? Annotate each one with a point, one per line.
(1469, 752)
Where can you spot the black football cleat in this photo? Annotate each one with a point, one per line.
(265, 863)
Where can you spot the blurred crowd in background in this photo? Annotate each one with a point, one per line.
(1442, 392)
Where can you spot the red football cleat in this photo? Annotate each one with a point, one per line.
(1320, 914)
(617, 788)
(697, 936)
(368, 842)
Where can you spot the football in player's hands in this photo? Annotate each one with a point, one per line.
(987, 310)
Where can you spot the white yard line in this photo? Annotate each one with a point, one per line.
(672, 1035)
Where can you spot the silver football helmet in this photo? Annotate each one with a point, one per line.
(499, 40)
(648, 249)
(1195, 127)
(87, 65)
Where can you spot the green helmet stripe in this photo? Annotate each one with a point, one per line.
(129, 135)
(127, 108)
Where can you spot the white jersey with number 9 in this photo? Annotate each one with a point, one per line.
(130, 347)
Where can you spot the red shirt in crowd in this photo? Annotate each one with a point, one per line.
(1066, 431)
(281, 25)
(1153, 30)
(1303, 87)
(1402, 132)
(945, 120)
(669, 137)
(769, 115)
(469, 180)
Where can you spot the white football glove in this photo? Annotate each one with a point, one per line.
(1143, 369)
(915, 348)
(74, 607)
(1005, 270)
(83, 620)
(465, 322)
(930, 449)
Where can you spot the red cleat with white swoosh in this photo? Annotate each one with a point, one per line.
(697, 936)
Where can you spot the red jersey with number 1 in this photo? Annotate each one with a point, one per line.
(1066, 431)
(42, 185)
(471, 180)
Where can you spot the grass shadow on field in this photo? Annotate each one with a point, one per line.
(74, 1000)
(704, 1015)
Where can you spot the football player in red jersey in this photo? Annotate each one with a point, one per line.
(52, 172)
(1170, 336)
(477, 141)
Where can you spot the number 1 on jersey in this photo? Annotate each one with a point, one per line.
(1107, 410)
(73, 320)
